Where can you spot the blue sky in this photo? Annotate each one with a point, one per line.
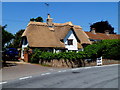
(17, 15)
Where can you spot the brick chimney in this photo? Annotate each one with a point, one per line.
(93, 31)
(107, 32)
(49, 21)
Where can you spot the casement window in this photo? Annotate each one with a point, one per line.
(70, 41)
(24, 41)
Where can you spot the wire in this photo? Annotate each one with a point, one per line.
(13, 20)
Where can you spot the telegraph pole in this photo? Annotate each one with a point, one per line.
(47, 7)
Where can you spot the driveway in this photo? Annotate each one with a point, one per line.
(17, 70)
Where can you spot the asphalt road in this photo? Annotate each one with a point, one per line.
(17, 70)
(88, 77)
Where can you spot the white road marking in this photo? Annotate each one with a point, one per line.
(87, 67)
(106, 65)
(75, 69)
(47, 73)
(25, 77)
(3, 82)
(94, 67)
(59, 71)
(111, 65)
(42, 74)
(64, 71)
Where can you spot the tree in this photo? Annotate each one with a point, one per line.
(38, 19)
(6, 36)
(112, 49)
(17, 39)
(100, 27)
(93, 51)
(109, 49)
(32, 19)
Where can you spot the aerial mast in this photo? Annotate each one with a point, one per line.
(49, 20)
(47, 6)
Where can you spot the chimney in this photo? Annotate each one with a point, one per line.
(107, 32)
(49, 21)
(48, 15)
(93, 31)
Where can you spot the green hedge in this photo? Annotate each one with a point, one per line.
(48, 56)
(109, 49)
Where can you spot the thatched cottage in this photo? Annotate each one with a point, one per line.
(54, 37)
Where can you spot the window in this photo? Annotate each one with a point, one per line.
(70, 41)
(24, 41)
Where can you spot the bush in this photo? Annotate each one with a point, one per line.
(109, 49)
(36, 56)
(93, 51)
(48, 56)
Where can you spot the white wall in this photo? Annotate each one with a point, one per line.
(22, 51)
(70, 35)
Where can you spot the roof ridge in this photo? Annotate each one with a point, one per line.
(77, 26)
(36, 23)
(55, 24)
(102, 33)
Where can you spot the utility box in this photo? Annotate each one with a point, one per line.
(99, 61)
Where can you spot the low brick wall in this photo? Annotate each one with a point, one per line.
(73, 64)
(108, 61)
(104, 62)
(59, 63)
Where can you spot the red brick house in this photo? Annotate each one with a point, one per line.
(93, 36)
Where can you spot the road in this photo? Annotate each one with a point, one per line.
(17, 70)
(87, 77)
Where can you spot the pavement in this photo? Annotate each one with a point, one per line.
(22, 69)
(86, 77)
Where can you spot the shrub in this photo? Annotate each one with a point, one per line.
(109, 49)
(47, 56)
(36, 56)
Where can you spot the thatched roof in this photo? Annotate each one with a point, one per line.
(40, 35)
(82, 35)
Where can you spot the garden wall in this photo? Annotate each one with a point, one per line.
(73, 64)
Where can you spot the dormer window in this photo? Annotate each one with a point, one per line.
(70, 41)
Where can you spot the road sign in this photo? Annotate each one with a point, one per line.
(99, 61)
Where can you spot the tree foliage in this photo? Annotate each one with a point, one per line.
(38, 19)
(94, 51)
(6, 36)
(17, 39)
(36, 56)
(109, 49)
(100, 27)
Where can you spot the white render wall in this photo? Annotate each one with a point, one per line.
(22, 51)
(70, 35)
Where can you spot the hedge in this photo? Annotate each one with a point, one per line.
(109, 49)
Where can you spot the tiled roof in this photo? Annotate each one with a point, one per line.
(102, 36)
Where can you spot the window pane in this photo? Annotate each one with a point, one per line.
(70, 42)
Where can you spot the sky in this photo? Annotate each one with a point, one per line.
(17, 14)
